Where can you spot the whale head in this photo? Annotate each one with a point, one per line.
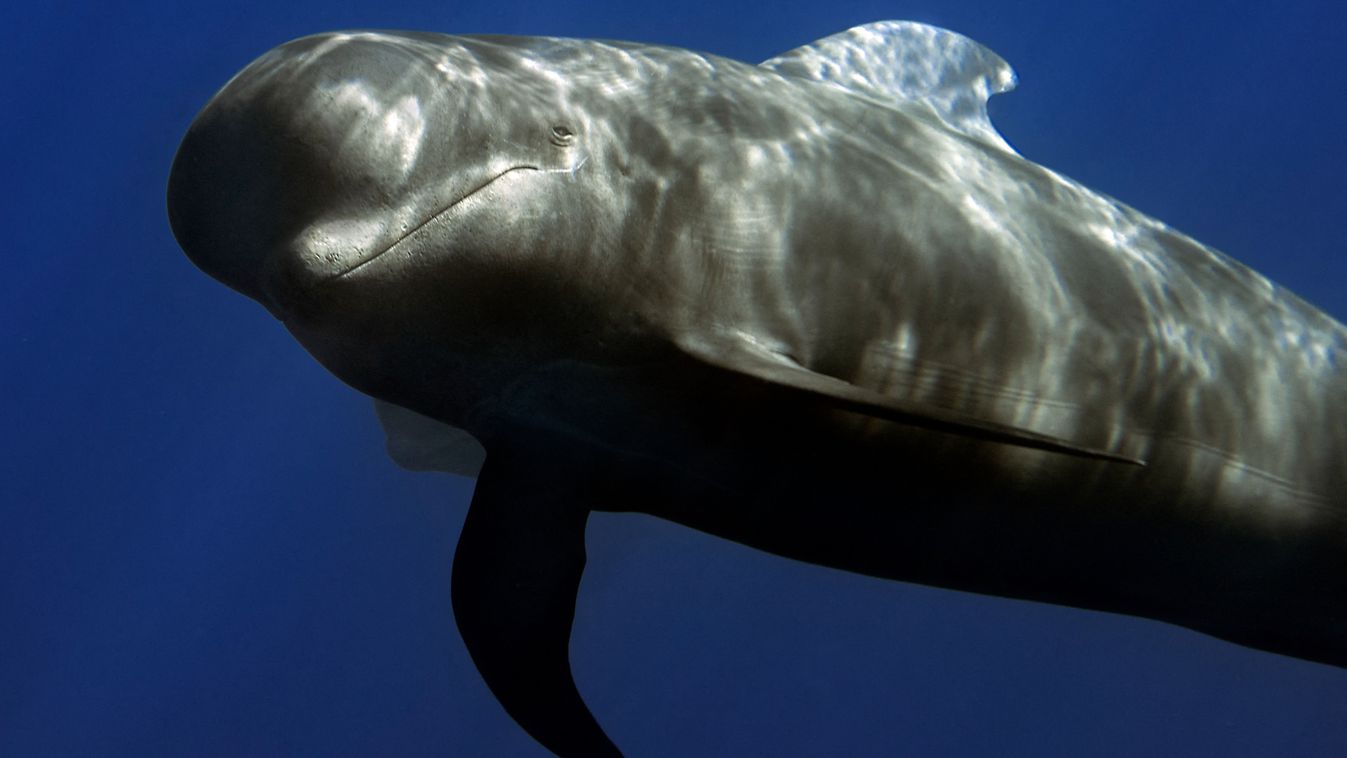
(387, 192)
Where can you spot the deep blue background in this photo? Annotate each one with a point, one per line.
(204, 551)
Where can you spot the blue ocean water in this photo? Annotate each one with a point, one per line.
(205, 552)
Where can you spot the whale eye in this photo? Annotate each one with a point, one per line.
(562, 136)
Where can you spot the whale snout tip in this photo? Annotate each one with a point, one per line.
(215, 191)
(302, 135)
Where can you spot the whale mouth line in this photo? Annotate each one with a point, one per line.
(432, 218)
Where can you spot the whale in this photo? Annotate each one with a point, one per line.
(817, 306)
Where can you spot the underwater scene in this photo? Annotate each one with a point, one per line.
(214, 544)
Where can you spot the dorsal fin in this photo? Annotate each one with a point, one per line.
(905, 61)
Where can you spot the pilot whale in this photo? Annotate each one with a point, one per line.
(817, 306)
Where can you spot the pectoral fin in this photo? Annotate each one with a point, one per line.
(516, 573)
(747, 357)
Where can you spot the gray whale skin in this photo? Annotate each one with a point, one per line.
(817, 306)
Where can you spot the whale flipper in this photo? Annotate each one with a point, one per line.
(420, 443)
(516, 573)
(745, 355)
